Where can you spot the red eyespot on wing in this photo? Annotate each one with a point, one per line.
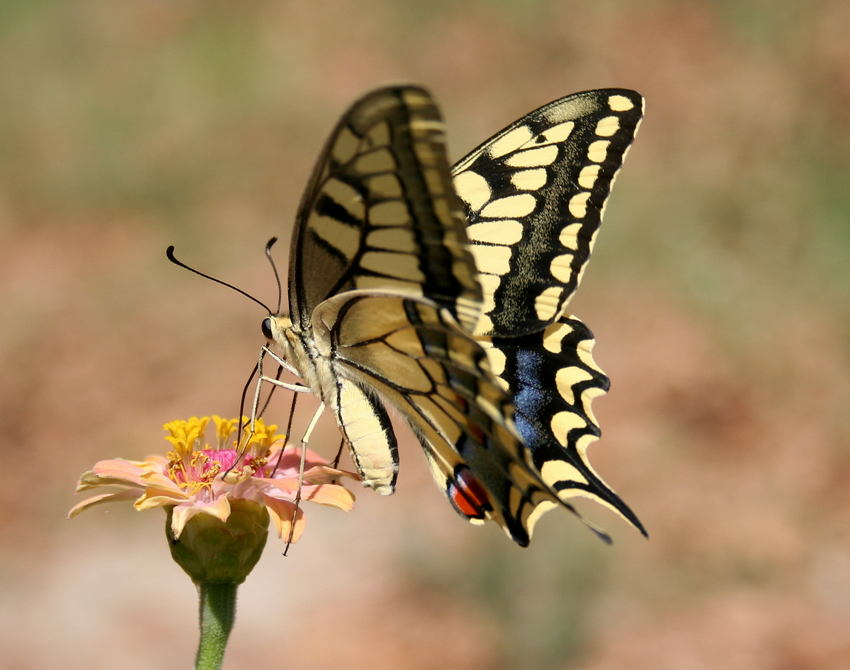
(468, 495)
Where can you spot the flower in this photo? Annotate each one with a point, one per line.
(216, 497)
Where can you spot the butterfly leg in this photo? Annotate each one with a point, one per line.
(297, 388)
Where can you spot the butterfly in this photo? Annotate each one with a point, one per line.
(440, 293)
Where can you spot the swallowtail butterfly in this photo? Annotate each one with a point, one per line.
(441, 292)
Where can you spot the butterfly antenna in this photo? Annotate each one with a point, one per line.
(170, 254)
(269, 246)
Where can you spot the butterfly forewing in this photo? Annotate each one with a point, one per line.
(381, 213)
(534, 197)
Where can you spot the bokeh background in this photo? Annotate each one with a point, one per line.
(718, 293)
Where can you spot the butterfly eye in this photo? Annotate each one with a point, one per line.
(267, 328)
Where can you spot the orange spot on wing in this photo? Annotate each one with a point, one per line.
(469, 495)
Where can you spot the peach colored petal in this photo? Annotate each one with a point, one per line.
(121, 496)
(330, 495)
(286, 485)
(219, 508)
(118, 467)
(156, 498)
(111, 473)
(281, 512)
(159, 481)
(89, 481)
(322, 474)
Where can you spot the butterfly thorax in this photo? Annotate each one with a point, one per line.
(359, 412)
(297, 347)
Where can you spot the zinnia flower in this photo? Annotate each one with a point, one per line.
(219, 499)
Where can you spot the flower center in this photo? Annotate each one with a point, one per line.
(202, 467)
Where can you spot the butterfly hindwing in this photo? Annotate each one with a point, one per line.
(380, 211)
(415, 356)
(534, 197)
(553, 379)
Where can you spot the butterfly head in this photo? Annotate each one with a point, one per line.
(275, 328)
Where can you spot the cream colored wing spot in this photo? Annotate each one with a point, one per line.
(547, 303)
(489, 284)
(578, 204)
(598, 150)
(561, 267)
(529, 180)
(381, 160)
(467, 311)
(427, 126)
(416, 98)
(554, 335)
(409, 287)
(587, 398)
(509, 142)
(473, 189)
(587, 176)
(344, 196)
(534, 516)
(504, 231)
(562, 423)
(582, 444)
(558, 133)
(608, 126)
(496, 258)
(346, 146)
(379, 135)
(402, 266)
(385, 186)
(497, 360)
(366, 321)
(484, 325)
(510, 207)
(569, 235)
(341, 236)
(554, 472)
(567, 377)
(585, 354)
(389, 213)
(620, 103)
(537, 157)
(392, 239)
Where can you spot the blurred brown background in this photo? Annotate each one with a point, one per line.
(718, 293)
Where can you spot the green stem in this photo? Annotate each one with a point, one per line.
(218, 611)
